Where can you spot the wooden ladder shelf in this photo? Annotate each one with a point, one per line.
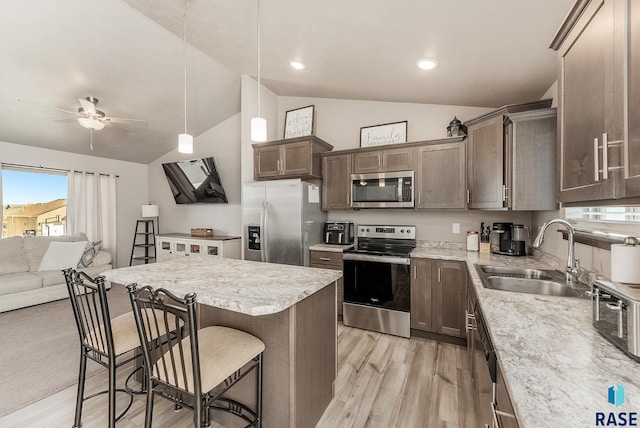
(144, 240)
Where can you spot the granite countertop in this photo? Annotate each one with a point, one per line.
(331, 247)
(556, 365)
(252, 288)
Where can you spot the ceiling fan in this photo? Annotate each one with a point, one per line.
(88, 116)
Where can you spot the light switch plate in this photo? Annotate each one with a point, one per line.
(456, 228)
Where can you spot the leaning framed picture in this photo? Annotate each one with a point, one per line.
(387, 133)
(298, 122)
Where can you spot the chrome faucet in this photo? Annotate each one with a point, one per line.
(573, 264)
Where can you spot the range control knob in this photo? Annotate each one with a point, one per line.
(401, 230)
(367, 229)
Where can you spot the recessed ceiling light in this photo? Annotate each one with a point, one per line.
(296, 64)
(427, 63)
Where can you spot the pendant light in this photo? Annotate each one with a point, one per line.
(185, 141)
(258, 124)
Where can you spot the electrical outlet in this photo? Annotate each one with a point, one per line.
(456, 227)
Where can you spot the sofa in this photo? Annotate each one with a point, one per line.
(23, 284)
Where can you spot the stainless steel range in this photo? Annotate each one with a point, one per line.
(377, 279)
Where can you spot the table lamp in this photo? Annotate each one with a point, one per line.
(151, 210)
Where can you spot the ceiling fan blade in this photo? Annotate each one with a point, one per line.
(126, 120)
(88, 107)
(66, 111)
(72, 119)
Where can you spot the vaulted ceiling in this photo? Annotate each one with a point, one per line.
(129, 55)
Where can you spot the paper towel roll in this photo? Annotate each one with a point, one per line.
(625, 263)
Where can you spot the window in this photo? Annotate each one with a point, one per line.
(33, 202)
(617, 214)
(614, 221)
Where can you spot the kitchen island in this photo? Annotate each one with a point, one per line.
(292, 309)
(556, 366)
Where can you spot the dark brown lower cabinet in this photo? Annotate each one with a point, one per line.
(329, 260)
(504, 408)
(438, 296)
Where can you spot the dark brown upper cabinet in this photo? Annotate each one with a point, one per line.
(596, 163)
(383, 160)
(336, 181)
(441, 176)
(290, 158)
(511, 158)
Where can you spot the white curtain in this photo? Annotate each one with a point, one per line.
(91, 208)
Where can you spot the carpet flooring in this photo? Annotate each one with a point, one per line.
(40, 350)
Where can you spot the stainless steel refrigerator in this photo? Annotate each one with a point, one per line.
(281, 219)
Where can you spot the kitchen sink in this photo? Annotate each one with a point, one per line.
(515, 272)
(533, 281)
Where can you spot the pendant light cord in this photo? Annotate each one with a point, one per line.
(185, 66)
(258, 49)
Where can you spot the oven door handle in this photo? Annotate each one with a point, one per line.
(380, 259)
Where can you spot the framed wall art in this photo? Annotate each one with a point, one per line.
(298, 122)
(387, 133)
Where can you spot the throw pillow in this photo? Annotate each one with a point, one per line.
(90, 253)
(61, 255)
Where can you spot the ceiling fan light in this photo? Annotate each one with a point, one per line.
(258, 129)
(90, 123)
(185, 143)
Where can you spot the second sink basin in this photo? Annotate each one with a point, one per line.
(515, 272)
(534, 286)
(533, 281)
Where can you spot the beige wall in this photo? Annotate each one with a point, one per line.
(249, 109)
(223, 143)
(131, 185)
(339, 121)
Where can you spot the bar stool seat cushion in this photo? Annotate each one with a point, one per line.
(223, 351)
(125, 333)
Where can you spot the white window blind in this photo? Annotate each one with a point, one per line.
(626, 214)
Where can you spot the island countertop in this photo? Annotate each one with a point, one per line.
(251, 288)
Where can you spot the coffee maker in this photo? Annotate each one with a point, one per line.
(508, 239)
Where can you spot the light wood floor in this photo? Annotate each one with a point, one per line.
(383, 381)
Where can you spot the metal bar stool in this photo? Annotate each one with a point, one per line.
(197, 369)
(111, 343)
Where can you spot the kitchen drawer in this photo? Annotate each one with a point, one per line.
(326, 259)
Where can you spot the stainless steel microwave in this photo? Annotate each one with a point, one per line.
(382, 190)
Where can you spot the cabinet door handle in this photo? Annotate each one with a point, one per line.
(439, 274)
(468, 325)
(326, 259)
(468, 196)
(596, 160)
(415, 272)
(605, 156)
(618, 308)
(419, 197)
(505, 193)
(495, 412)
